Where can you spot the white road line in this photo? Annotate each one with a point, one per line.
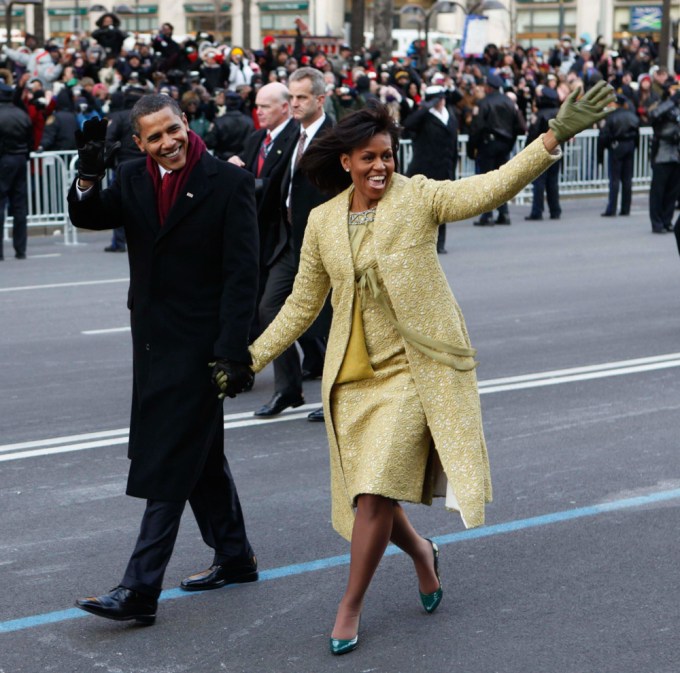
(245, 419)
(111, 330)
(45, 256)
(59, 285)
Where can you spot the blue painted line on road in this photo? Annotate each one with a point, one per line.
(335, 561)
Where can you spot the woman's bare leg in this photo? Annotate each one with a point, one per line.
(405, 536)
(370, 536)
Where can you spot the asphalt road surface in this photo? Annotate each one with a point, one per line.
(577, 326)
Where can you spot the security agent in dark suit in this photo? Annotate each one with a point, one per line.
(620, 135)
(493, 133)
(298, 197)
(547, 105)
(433, 131)
(16, 143)
(665, 187)
(191, 229)
(266, 154)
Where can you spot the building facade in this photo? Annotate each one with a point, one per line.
(536, 23)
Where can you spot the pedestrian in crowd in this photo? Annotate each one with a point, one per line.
(299, 197)
(620, 136)
(165, 46)
(108, 34)
(60, 127)
(45, 63)
(401, 402)
(493, 134)
(16, 144)
(644, 99)
(665, 187)
(121, 146)
(547, 183)
(191, 229)
(228, 134)
(433, 131)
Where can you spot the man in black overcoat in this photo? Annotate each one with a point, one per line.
(433, 131)
(493, 134)
(191, 229)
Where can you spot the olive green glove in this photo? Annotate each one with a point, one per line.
(578, 114)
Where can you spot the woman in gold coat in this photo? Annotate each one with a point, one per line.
(399, 388)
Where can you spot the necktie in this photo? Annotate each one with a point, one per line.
(264, 151)
(300, 150)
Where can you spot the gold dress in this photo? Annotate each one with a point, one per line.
(381, 427)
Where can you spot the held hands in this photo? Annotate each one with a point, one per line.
(577, 114)
(93, 156)
(230, 378)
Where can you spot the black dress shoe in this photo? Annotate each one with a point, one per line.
(310, 375)
(20, 255)
(659, 231)
(503, 219)
(316, 416)
(115, 248)
(441, 250)
(554, 217)
(220, 575)
(670, 227)
(483, 223)
(121, 604)
(278, 403)
(536, 218)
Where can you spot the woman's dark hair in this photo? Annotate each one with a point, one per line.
(321, 162)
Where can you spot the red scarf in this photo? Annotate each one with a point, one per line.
(170, 187)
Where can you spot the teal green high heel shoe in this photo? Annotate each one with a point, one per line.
(431, 601)
(339, 646)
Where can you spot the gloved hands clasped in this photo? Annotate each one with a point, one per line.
(93, 155)
(577, 114)
(231, 378)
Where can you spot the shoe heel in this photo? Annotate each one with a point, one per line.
(146, 620)
(250, 577)
(431, 601)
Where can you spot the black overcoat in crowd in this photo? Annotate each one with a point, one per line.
(193, 286)
(435, 145)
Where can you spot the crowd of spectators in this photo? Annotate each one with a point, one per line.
(62, 85)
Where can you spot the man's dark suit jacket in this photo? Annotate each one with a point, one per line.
(305, 197)
(268, 184)
(193, 286)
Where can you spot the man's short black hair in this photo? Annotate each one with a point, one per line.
(150, 104)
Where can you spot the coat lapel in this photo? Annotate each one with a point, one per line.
(196, 189)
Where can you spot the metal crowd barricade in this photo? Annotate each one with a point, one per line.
(581, 175)
(50, 175)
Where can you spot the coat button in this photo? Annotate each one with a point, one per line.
(148, 347)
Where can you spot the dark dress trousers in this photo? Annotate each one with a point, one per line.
(193, 286)
(283, 265)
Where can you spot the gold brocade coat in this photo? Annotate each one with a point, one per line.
(404, 238)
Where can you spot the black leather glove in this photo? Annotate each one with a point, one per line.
(93, 154)
(231, 378)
